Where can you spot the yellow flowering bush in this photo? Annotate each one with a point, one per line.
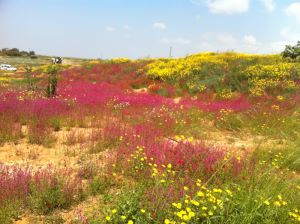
(181, 68)
(263, 77)
(120, 60)
(167, 69)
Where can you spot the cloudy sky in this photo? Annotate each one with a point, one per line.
(141, 28)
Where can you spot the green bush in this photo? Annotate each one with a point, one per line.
(49, 198)
(52, 80)
(292, 52)
(53, 194)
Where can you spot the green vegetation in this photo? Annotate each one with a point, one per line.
(292, 52)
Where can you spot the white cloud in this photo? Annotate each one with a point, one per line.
(249, 40)
(277, 47)
(230, 7)
(179, 40)
(159, 25)
(214, 41)
(288, 35)
(269, 4)
(110, 29)
(293, 10)
(227, 6)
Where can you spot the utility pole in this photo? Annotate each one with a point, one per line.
(170, 52)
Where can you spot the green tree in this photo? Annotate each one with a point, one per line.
(292, 52)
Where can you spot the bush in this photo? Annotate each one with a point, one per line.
(52, 81)
(48, 198)
(292, 52)
(48, 193)
(42, 191)
(267, 78)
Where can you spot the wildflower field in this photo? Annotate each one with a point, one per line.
(209, 138)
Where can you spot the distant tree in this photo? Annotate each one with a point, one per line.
(32, 54)
(12, 52)
(292, 52)
(15, 52)
(4, 50)
(24, 53)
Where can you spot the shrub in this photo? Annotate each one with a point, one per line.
(292, 52)
(50, 190)
(46, 199)
(42, 191)
(52, 81)
(266, 78)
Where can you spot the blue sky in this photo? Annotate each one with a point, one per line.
(141, 28)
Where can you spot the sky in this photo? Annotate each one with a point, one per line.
(148, 28)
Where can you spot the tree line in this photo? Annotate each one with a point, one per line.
(17, 53)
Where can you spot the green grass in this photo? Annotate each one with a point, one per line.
(40, 60)
(17, 61)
